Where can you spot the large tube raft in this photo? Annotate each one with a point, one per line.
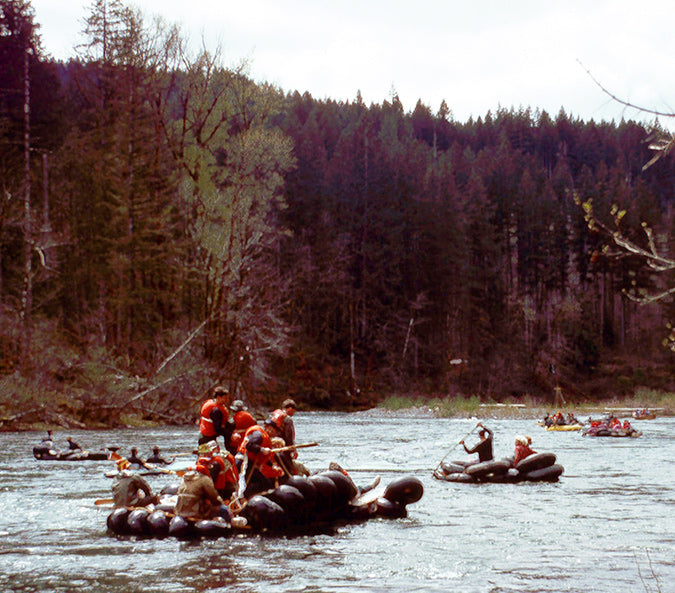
(540, 467)
(302, 504)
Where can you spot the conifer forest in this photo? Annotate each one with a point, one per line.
(168, 224)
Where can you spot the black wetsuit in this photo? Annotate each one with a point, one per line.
(483, 447)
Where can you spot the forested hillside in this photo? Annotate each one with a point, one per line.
(167, 224)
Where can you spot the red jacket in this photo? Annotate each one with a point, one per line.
(256, 439)
(206, 425)
(522, 451)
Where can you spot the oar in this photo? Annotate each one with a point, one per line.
(292, 447)
(180, 472)
(455, 445)
(102, 501)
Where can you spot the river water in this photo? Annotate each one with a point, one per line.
(607, 525)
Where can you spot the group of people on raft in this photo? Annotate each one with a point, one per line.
(609, 426)
(559, 419)
(260, 454)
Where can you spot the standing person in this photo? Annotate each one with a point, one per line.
(287, 426)
(197, 496)
(214, 418)
(223, 469)
(262, 472)
(129, 489)
(289, 459)
(242, 420)
(157, 459)
(482, 447)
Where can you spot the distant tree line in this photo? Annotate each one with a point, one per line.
(167, 224)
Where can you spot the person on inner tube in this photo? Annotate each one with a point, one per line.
(197, 495)
(135, 461)
(157, 459)
(262, 471)
(522, 449)
(223, 469)
(482, 447)
(129, 489)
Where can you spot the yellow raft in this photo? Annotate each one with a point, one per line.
(565, 427)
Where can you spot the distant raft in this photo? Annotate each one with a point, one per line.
(564, 427)
(602, 431)
(540, 467)
(44, 453)
(302, 504)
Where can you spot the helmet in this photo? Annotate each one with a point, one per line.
(238, 405)
(278, 418)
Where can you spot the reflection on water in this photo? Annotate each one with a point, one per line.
(606, 526)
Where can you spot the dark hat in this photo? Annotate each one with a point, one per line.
(289, 403)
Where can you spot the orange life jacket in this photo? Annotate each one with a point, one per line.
(265, 463)
(206, 427)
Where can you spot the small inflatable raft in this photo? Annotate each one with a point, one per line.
(299, 505)
(44, 453)
(540, 467)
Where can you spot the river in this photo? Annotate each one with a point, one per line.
(607, 525)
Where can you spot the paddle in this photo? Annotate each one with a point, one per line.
(455, 445)
(102, 501)
(291, 447)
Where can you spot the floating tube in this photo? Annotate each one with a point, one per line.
(137, 522)
(511, 476)
(117, 521)
(262, 513)
(546, 474)
(456, 477)
(181, 528)
(404, 491)
(291, 500)
(327, 494)
(158, 523)
(452, 467)
(212, 528)
(486, 469)
(390, 509)
(347, 490)
(535, 461)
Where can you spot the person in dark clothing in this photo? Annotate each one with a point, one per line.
(482, 447)
(157, 459)
(135, 461)
(72, 445)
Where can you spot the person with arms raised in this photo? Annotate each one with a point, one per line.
(483, 447)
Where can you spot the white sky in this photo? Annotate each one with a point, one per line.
(478, 55)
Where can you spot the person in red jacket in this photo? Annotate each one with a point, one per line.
(522, 450)
(214, 417)
(222, 468)
(243, 420)
(261, 470)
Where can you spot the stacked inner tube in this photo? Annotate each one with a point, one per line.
(298, 505)
(540, 467)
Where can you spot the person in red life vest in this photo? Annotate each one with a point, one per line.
(223, 470)
(262, 472)
(522, 450)
(214, 418)
(242, 420)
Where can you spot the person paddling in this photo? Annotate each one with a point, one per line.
(157, 459)
(482, 447)
(135, 461)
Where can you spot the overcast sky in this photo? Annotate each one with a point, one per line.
(478, 55)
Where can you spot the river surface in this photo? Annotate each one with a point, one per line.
(607, 525)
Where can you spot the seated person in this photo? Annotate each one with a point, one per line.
(522, 449)
(129, 489)
(157, 459)
(197, 495)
